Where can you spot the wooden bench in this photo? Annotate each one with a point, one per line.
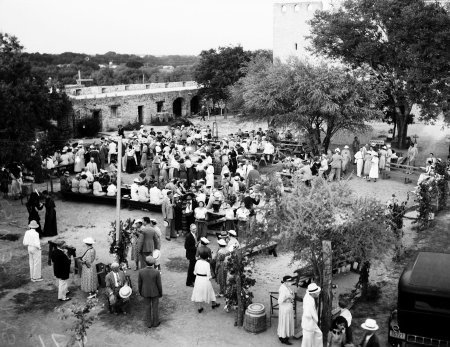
(139, 205)
(407, 168)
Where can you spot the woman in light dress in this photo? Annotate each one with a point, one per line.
(79, 159)
(89, 282)
(286, 299)
(374, 167)
(367, 164)
(203, 292)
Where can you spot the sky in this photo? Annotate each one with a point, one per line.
(156, 27)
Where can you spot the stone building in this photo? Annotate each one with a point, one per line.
(290, 26)
(110, 106)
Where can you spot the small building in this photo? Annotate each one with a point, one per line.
(110, 106)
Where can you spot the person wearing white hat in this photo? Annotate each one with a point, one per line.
(89, 282)
(203, 292)
(115, 280)
(157, 256)
(370, 339)
(92, 167)
(233, 242)
(203, 248)
(312, 335)
(359, 161)
(200, 220)
(31, 240)
(134, 189)
(374, 169)
(135, 233)
(382, 158)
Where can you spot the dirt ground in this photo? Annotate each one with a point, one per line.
(28, 316)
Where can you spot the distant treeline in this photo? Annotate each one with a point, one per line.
(125, 69)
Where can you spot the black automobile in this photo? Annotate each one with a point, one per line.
(422, 317)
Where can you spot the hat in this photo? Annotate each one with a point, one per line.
(103, 171)
(286, 279)
(67, 174)
(137, 180)
(313, 288)
(91, 147)
(33, 224)
(89, 240)
(222, 243)
(115, 265)
(223, 234)
(125, 291)
(217, 195)
(166, 223)
(153, 220)
(337, 150)
(384, 147)
(138, 221)
(150, 260)
(236, 178)
(346, 147)
(156, 254)
(142, 126)
(204, 240)
(232, 232)
(370, 324)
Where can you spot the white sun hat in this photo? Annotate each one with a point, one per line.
(89, 240)
(125, 292)
(370, 324)
(313, 288)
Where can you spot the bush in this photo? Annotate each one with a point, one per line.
(373, 292)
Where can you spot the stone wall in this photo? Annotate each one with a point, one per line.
(112, 109)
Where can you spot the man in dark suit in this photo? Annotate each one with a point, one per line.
(370, 339)
(148, 241)
(149, 284)
(61, 269)
(190, 245)
(115, 280)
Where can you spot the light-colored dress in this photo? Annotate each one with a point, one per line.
(286, 312)
(89, 282)
(203, 290)
(79, 160)
(382, 163)
(367, 164)
(374, 168)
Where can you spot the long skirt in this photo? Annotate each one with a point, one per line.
(203, 290)
(144, 160)
(50, 227)
(131, 165)
(202, 229)
(89, 282)
(359, 167)
(285, 320)
(367, 166)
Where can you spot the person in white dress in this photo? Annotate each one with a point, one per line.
(312, 335)
(134, 190)
(209, 170)
(373, 173)
(203, 292)
(286, 324)
(359, 159)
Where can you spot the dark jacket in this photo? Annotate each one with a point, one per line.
(148, 240)
(61, 264)
(373, 341)
(149, 283)
(111, 284)
(190, 246)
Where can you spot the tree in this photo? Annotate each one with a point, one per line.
(404, 43)
(27, 105)
(316, 99)
(330, 212)
(219, 69)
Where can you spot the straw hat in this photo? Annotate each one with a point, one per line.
(346, 147)
(125, 292)
(89, 241)
(222, 243)
(232, 232)
(137, 180)
(370, 324)
(313, 288)
(33, 224)
(150, 260)
(204, 240)
(156, 254)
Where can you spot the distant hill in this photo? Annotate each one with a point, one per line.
(112, 68)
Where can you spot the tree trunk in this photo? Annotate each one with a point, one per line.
(402, 126)
(240, 308)
(327, 295)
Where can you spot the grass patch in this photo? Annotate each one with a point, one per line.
(177, 264)
(9, 237)
(42, 299)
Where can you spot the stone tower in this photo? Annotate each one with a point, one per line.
(290, 26)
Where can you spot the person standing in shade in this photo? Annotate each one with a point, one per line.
(34, 206)
(31, 240)
(312, 335)
(148, 240)
(191, 249)
(286, 323)
(89, 281)
(167, 212)
(50, 226)
(61, 269)
(150, 288)
(370, 339)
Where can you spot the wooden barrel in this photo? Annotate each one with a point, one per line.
(255, 318)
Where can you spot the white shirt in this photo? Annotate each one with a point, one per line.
(347, 315)
(134, 192)
(309, 317)
(116, 280)
(31, 239)
(200, 213)
(156, 196)
(111, 190)
(269, 148)
(112, 147)
(143, 193)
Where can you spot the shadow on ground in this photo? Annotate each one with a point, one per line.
(177, 264)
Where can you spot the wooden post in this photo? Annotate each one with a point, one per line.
(327, 295)
(119, 186)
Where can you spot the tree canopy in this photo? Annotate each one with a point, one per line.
(405, 44)
(27, 104)
(316, 99)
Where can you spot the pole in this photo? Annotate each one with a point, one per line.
(119, 186)
(325, 313)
